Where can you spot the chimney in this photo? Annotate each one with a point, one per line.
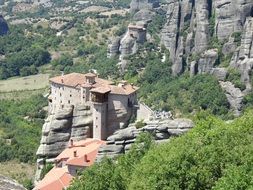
(122, 83)
(71, 143)
(86, 158)
(75, 153)
(62, 80)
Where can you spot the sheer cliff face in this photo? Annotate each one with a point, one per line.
(192, 25)
(137, 5)
(3, 26)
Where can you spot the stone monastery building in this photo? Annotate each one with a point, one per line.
(112, 105)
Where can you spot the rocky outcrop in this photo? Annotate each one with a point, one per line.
(231, 16)
(3, 26)
(137, 5)
(9, 184)
(192, 24)
(113, 47)
(121, 141)
(69, 123)
(234, 96)
(207, 61)
(219, 73)
(243, 56)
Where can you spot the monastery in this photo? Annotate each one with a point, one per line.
(106, 100)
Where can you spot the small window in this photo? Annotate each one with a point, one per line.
(96, 118)
(60, 94)
(61, 101)
(96, 126)
(69, 101)
(70, 95)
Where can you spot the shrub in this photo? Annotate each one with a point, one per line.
(140, 124)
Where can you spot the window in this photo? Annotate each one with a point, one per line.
(96, 118)
(60, 94)
(69, 101)
(70, 95)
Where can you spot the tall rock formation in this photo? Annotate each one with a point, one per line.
(3, 26)
(69, 123)
(137, 5)
(192, 26)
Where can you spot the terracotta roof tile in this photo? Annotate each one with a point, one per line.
(124, 89)
(56, 179)
(101, 90)
(75, 79)
(100, 85)
(60, 178)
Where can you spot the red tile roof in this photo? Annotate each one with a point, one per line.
(123, 89)
(56, 179)
(84, 148)
(100, 85)
(75, 79)
(101, 90)
(60, 178)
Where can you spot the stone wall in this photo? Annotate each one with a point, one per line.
(122, 140)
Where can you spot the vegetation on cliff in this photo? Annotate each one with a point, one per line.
(214, 155)
(20, 128)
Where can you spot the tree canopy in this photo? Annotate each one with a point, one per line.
(213, 155)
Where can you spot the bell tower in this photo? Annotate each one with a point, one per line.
(99, 99)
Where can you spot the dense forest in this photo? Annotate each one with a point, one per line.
(214, 155)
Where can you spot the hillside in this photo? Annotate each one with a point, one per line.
(213, 155)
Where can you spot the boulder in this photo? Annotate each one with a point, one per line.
(207, 61)
(219, 73)
(234, 96)
(137, 5)
(113, 47)
(9, 184)
(111, 149)
(144, 15)
(124, 134)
